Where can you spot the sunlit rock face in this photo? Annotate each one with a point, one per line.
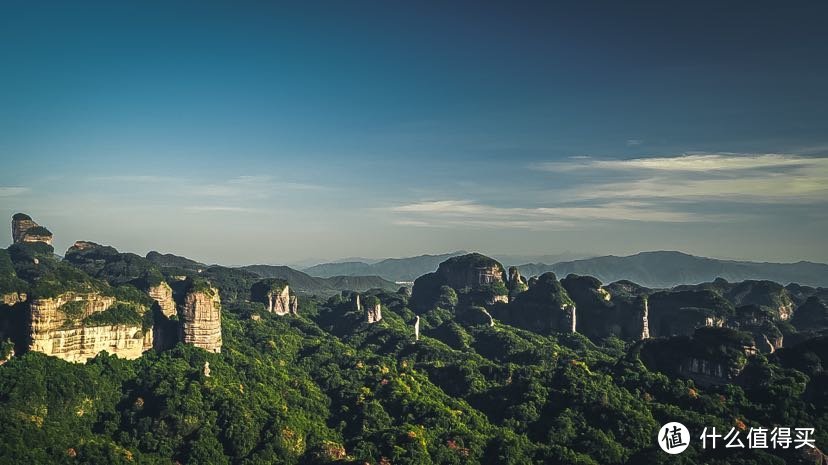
(275, 294)
(162, 294)
(200, 316)
(373, 309)
(60, 326)
(477, 280)
(24, 229)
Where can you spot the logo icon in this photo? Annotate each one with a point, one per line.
(673, 438)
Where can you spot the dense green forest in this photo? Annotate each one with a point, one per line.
(327, 387)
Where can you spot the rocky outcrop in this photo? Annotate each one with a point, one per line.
(24, 229)
(711, 356)
(200, 316)
(516, 283)
(357, 302)
(373, 309)
(476, 279)
(12, 298)
(682, 312)
(70, 326)
(471, 271)
(275, 294)
(600, 315)
(544, 307)
(811, 315)
(162, 294)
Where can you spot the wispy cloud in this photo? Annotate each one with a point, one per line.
(443, 213)
(221, 208)
(10, 191)
(762, 178)
(697, 187)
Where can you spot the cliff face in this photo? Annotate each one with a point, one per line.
(471, 271)
(201, 318)
(24, 229)
(275, 294)
(710, 356)
(57, 328)
(477, 280)
(600, 315)
(545, 307)
(373, 310)
(162, 294)
(681, 312)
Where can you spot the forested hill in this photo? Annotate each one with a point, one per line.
(475, 365)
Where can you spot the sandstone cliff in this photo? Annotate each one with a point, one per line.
(600, 315)
(276, 295)
(24, 229)
(76, 326)
(545, 307)
(373, 309)
(200, 316)
(476, 279)
(162, 294)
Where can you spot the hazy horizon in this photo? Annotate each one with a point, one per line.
(276, 134)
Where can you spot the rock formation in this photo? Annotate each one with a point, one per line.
(710, 356)
(811, 315)
(76, 326)
(477, 280)
(200, 316)
(600, 316)
(373, 309)
(357, 302)
(682, 312)
(275, 294)
(545, 307)
(206, 369)
(417, 328)
(516, 283)
(24, 229)
(294, 305)
(162, 294)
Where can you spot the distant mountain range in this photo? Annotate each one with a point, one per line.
(652, 269)
(668, 268)
(393, 269)
(304, 283)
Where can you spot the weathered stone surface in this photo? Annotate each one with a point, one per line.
(20, 223)
(682, 312)
(200, 316)
(545, 307)
(711, 356)
(477, 280)
(600, 316)
(12, 298)
(373, 309)
(162, 294)
(54, 332)
(24, 229)
(294, 305)
(516, 283)
(275, 295)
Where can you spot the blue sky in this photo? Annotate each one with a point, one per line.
(271, 132)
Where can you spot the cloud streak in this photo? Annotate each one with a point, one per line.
(452, 213)
(682, 189)
(763, 178)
